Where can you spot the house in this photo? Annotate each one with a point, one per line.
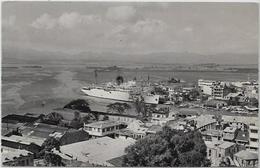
(97, 151)
(103, 128)
(246, 159)
(229, 134)
(217, 150)
(16, 157)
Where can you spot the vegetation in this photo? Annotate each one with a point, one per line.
(79, 104)
(46, 153)
(168, 148)
(141, 108)
(118, 107)
(52, 118)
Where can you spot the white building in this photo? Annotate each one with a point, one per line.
(206, 86)
(102, 128)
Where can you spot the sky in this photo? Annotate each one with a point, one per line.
(130, 28)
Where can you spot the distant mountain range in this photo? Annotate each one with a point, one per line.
(10, 55)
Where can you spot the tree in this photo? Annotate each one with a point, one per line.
(77, 122)
(141, 108)
(52, 118)
(79, 104)
(118, 107)
(168, 148)
(53, 159)
(51, 143)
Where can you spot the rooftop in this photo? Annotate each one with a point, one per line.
(24, 140)
(204, 120)
(97, 151)
(246, 155)
(103, 124)
(226, 145)
(42, 130)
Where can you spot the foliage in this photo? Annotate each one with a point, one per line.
(141, 108)
(168, 148)
(118, 107)
(51, 143)
(79, 104)
(53, 159)
(52, 118)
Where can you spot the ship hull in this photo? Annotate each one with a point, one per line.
(118, 95)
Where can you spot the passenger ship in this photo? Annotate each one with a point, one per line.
(127, 92)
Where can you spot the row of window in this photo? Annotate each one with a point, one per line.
(102, 130)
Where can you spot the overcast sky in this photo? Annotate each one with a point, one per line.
(203, 28)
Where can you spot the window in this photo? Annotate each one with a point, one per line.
(253, 139)
(219, 155)
(254, 131)
(209, 152)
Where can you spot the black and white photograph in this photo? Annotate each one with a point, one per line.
(129, 84)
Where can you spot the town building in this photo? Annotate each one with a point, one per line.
(206, 86)
(103, 128)
(218, 150)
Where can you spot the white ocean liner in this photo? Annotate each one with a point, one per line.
(124, 92)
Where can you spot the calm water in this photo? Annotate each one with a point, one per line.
(24, 89)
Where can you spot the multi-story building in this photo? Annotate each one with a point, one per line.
(103, 128)
(206, 86)
(253, 137)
